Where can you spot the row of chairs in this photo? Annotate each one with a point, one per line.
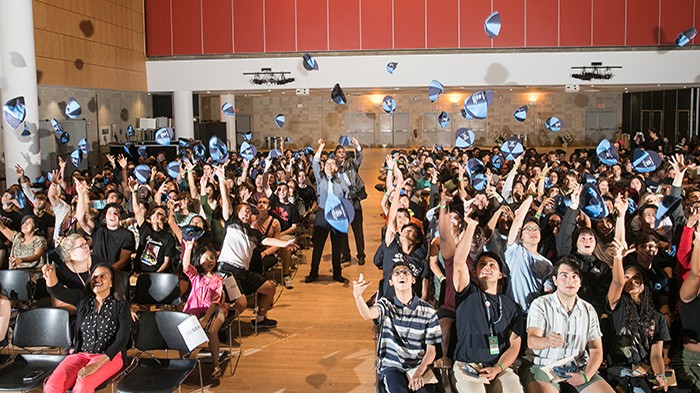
(151, 289)
(48, 328)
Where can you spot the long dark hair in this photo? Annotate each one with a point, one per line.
(197, 256)
(639, 317)
(118, 286)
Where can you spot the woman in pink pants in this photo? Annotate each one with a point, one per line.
(101, 334)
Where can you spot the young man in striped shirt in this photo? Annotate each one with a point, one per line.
(562, 325)
(409, 331)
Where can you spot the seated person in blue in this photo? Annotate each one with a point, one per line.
(409, 332)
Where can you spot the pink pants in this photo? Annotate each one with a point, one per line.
(66, 374)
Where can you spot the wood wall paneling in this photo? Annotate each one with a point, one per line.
(542, 24)
(513, 23)
(280, 35)
(376, 24)
(312, 26)
(675, 18)
(473, 14)
(87, 27)
(187, 27)
(575, 29)
(344, 24)
(217, 27)
(443, 23)
(97, 44)
(608, 22)
(248, 27)
(642, 22)
(409, 24)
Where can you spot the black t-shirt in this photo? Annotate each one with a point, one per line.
(596, 277)
(630, 352)
(473, 326)
(689, 318)
(153, 248)
(287, 214)
(308, 195)
(108, 243)
(71, 279)
(46, 221)
(416, 262)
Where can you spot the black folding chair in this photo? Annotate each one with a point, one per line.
(40, 327)
(157, 289)
(16, 285)
(159, 331)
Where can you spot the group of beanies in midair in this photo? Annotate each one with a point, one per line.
(475, 107)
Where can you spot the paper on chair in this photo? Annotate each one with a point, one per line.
(192, 332)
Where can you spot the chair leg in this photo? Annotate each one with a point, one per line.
(232, 369)
(201, 380)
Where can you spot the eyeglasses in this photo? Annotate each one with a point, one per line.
(531, 229)
(401, 272)
(84, 245)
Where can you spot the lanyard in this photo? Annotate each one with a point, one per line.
(487, 306)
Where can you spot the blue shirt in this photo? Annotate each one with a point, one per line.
(530, 274)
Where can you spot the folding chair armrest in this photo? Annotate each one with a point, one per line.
(117, 378)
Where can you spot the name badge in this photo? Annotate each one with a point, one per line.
(493, 345)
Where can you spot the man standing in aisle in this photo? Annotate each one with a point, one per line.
(348, 172)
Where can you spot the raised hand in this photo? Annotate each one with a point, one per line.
(621, 205)
(359, 286)
(122, 161)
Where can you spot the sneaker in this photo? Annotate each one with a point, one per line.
(361, 261)
(265, 323)
(287, 281)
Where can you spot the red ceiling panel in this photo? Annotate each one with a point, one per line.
(218, 26)
(158, 28)
(187, 27)
(344, 24)
(248, 28)
(443, 28)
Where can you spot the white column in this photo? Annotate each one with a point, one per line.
(17, 59)
(184, 114)
(229, 120)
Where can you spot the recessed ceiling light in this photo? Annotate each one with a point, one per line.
(208, 92)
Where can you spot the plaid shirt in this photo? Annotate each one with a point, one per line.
(406, 330)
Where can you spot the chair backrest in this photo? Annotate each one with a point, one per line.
(42, 327)
(16, 285)
(159, 330)
(125, 282)
(157, 289)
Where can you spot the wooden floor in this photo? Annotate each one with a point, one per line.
(321, 343)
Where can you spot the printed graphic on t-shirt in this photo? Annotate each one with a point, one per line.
(151, 252)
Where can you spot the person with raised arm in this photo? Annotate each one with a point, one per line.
(530, 272)
(327, 182)
(686, 363)
(240, 241)
(408, 333)
(489, 324)
(109, 240)
(640, 329)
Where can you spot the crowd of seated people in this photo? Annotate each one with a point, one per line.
(79, 233)
(544, 272)
(494, 268)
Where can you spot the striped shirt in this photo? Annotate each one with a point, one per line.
(576, 329)
(406, 330)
